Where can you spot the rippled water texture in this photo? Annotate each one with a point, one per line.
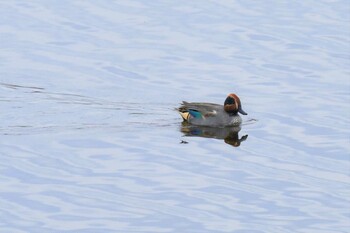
(90, 140)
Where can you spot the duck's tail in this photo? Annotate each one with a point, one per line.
(185, 115)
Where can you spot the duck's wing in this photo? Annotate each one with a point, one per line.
(198, 110)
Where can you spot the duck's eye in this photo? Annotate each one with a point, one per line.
(229, 101)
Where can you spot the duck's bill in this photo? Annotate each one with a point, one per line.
(240, 110)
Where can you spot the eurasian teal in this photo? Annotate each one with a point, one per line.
(215, 115)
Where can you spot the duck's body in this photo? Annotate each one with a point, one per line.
(215, 115)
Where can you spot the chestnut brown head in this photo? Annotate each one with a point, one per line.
(233, 106)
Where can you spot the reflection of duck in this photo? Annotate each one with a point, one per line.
(208, 114)
(228, 134)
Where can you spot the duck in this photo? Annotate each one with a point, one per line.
(214, 115)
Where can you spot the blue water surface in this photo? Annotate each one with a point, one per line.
(90, 141)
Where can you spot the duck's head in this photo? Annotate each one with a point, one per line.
(232, 105)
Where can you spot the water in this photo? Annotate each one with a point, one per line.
(90, 141)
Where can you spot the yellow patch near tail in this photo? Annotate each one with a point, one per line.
(185, 115)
